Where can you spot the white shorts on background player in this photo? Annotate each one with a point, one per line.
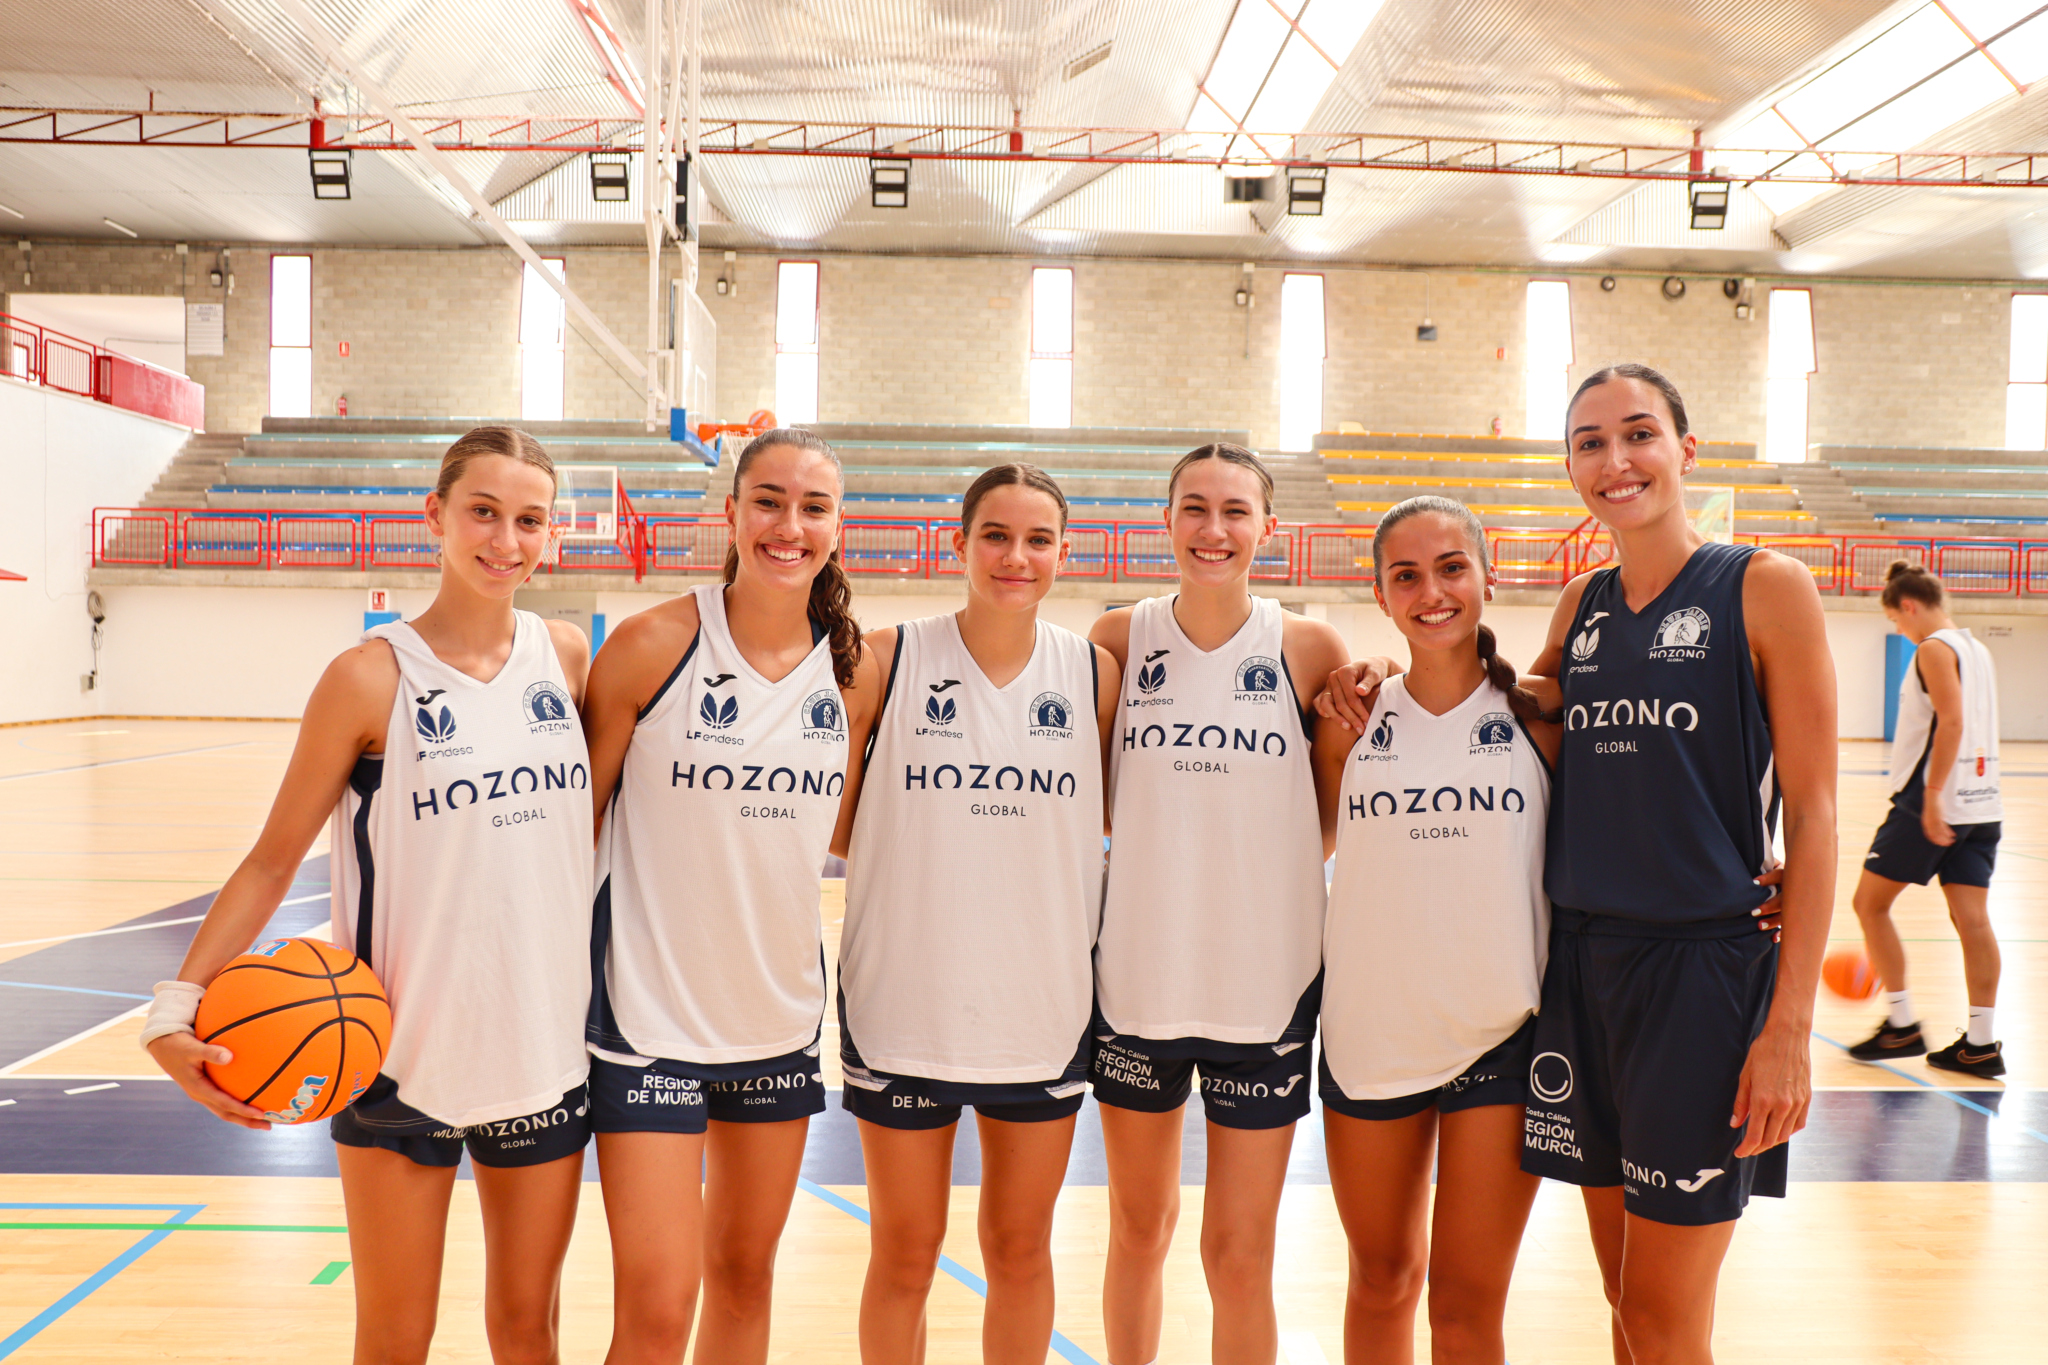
(1438, 926)
(974, 881)
(462, 874)
(711, 855)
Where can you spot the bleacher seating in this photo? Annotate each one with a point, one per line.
(1919, 491)
(1521, 483)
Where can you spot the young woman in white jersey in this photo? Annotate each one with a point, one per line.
(729, 722)
(973, 893)
(1433, 954)
(1212, 924)
(1945, 819)
(1672, 1046)
(473, 923)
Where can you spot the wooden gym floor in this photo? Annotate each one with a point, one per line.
(134, 1227)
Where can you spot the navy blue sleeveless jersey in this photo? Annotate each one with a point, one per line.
(1665, 801)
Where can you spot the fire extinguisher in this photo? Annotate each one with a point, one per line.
(341, 406)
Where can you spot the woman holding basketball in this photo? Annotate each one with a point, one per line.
(730, 723)
(1212, 941)
(1436, 817)
(446, 751)
(972, 900)
(1670, 1058)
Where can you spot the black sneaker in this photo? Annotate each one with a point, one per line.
(1962, 1055)
(1889, 1043)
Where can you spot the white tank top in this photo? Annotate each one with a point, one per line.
(974, 883)
(1972, 798)
(712, 851)
(1212, 924)
(461, 871)
(1439, 927)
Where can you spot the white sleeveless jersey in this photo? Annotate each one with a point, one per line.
(462, 874)
(1438, 927)
(974, 883)
(1972, 797)
(711, 853)
(1212, 924)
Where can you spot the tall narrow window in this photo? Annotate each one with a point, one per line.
(1547, 358)
(796, 342)
(1303, 348)
(541, 322)
(2026, 389)
(1790, 364)
(1052, 347)
(291, 336)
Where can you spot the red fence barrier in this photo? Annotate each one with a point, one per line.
(39, 355)
(1305, 554)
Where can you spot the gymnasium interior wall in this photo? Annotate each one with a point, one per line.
(60, 457)
(1157, 343)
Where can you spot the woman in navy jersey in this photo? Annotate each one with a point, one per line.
(1671, 1058)
(973, 894)
(1434, 952)
(1211, 953)
(470, 921)
(726, 729)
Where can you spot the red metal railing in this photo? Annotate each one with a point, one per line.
(40, 355)
(1300, 554)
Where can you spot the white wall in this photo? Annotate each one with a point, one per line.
(60, 457)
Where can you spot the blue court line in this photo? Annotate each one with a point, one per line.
(1062, 1347)
(75, 990)
(22, 1335)
(116, 762)
(1942, 1090)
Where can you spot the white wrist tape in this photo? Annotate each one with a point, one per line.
(172, 1011)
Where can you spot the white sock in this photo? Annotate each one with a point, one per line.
(1900, 1005)
(1980, 1026)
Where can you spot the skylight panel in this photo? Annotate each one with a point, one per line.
(2024, 52)
(1925, 110)
(1985, 18)
(1337, 25)
(1300, 78)
(1249, 45)
(1926, 40)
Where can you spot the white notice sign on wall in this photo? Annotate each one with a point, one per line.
(206, 329)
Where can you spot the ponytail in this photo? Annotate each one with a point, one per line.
(1502, 674)
(831, 601)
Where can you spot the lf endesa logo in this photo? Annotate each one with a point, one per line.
(1152, 677)
(717, 713)
(941, 711)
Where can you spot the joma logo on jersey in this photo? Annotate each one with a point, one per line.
(551, 777)
(1510, 801)
(1190, 736)
(1382, 736)
(1682, 635)
(1258, 679)
(1622, 711)
(1051, 716)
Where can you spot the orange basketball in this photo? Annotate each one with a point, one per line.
(1847, 973)
(307, 1022)
(761, 419)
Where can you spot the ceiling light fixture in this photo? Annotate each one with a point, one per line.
(12, 213)
(1709, 205)
(889, 183)
(332, 172)
(1305, 186)
(609, 182)
(121, 228)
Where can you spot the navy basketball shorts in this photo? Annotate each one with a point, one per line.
(1500, 1075)
(917, 1103)
(668, 1096)
(1638, 1049)
(379, 1118)
(1244, 1085)
(1901, 852)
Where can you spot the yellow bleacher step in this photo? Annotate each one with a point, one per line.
(1479, 457)
(1508, 510)
(1459, 481)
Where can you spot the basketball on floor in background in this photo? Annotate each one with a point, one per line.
(307, 1022)
(1848, 973)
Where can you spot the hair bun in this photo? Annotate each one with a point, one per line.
(1899, 568)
